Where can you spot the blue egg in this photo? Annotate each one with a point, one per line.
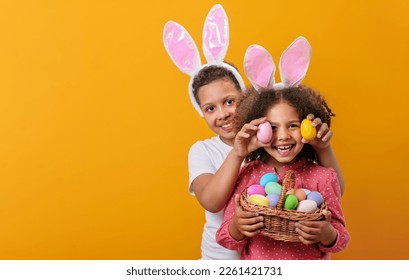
(316, 196)
(273, 199)
(268, 177)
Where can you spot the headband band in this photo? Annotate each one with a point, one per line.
(184, 52)
(294, 62)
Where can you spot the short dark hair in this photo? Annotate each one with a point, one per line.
(210, 74)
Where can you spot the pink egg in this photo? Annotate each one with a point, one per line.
(256, 189)
(264, 132)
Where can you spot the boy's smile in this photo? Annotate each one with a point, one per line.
(218, 101)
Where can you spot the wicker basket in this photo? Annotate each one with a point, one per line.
(279, 223)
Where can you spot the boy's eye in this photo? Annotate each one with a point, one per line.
(210, 109)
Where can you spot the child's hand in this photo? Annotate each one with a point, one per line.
(246, 140)
(324, 134)
(317, 231)
(246, 223)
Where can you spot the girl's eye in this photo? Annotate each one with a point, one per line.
(230, 102)
(274, 128)
(293, 126)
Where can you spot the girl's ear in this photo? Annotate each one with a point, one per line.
(181, 48)
(294, 62)
(259, 67)
(216, 35)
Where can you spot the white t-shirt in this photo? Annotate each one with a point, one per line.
(206, 157)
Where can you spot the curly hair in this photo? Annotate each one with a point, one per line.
(304, 99)
(210, 74)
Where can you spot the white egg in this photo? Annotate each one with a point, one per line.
(307, 206)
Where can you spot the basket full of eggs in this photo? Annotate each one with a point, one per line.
(282, 205)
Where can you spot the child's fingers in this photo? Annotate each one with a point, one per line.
(316, 122)
(310, 117)
(258, 121)
(252, 230)
(245, 217)
(327, 215)
(308, 235)
(323, 129)
(309, 226)
(250, 233)
(306, 241)
(247, 221)
(242, 134)
(327, 136)
(249, 127)
(239, 210)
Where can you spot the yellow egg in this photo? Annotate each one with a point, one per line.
(308, 131)
(259, 200)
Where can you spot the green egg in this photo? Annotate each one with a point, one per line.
(290, 202)
(273, 187)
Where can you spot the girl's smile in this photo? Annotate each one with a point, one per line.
(286, 142)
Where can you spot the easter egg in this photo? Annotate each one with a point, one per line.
(255, 189)
(259, 200)
(299, 193)
(308, 131)
(307, 206)
(316, 196)
(273, 199)
(290, 202)
(306, 191)
(264, 132)
(273, 187)
(268, 177)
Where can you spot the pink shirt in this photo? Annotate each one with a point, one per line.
(307, 175)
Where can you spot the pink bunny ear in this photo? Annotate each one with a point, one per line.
(259, 67)
(181, 48)
(216, 35)
(294, 62)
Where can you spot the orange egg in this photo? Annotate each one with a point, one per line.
(299, 193)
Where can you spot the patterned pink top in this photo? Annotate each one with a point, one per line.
(307, 175)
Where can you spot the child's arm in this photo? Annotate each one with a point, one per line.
(238, 224)
(317, 231)
(244, 223)
(322, 147)
(331, 233)
(214, 190)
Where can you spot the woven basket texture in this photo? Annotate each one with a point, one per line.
(279, 223)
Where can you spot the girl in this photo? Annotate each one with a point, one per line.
(284, 109)
(214, 90)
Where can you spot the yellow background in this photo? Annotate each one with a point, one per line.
(95, 121)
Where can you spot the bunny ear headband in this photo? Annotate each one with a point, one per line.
(260, 68)
(184, 53)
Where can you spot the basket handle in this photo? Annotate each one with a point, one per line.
(288, 184)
